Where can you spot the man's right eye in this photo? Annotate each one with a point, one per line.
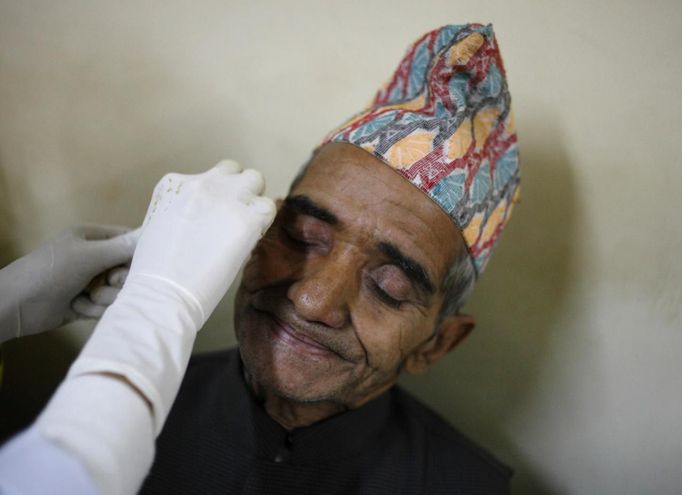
(294, 238)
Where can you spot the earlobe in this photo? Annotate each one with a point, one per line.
(451, 331)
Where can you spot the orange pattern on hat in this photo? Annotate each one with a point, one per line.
(484, 121)
(461, 52)
(410, 149)
(444, 122)
(460, 141)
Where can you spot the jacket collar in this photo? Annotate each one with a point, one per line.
(344, 435)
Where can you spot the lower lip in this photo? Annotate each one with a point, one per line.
(287, 336)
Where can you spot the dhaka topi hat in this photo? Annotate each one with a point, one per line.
(444, 122)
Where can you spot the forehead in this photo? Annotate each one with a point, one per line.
(374, 204)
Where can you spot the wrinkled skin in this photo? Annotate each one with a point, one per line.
(326, 316)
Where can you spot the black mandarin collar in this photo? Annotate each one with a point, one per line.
(341, 436)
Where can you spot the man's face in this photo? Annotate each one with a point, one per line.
(346, 284)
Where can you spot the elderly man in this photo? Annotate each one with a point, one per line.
(360, 277)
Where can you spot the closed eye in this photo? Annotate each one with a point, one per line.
(295, 239)
(390, 286)
(384, 297)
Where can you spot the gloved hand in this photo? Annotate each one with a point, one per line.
(101, 292)
(198, 231)
(38, 289)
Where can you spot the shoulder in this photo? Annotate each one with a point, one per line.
(454, 463)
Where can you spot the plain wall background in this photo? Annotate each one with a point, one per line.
(574, 374)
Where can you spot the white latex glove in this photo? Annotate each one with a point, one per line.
(198, 232)
(101, 292)
(199, 229)
(36, 291)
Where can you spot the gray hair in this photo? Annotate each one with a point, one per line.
(457, 285)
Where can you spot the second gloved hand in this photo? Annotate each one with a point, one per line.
(39, 288)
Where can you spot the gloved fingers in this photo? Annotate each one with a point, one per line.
(119, 250)
(253, 181)
(104, 295)
(116, 277)
(100, 293)
(265, 207)
(70, 316)
(128, 239)
(85, 308)
(132, 236)
(94, 232)
(226, 167)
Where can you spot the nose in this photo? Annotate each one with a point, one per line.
(323, 291)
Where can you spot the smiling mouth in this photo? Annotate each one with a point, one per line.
(292, 338)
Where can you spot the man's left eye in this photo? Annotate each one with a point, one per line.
(385, 297)
(390, 285)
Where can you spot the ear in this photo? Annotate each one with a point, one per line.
(278, 203)
(451, 331)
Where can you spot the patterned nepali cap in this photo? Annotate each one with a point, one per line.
(444, 122)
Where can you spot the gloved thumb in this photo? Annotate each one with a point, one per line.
(116, 250)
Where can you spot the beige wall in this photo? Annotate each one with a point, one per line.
(574, 375)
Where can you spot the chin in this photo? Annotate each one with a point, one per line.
(284, 367)
(290, 377)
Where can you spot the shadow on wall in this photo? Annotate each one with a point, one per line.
(492, 378)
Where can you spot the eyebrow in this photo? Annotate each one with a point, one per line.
(305, 206)
(411, 268)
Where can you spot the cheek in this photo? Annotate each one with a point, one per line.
(389, 337)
